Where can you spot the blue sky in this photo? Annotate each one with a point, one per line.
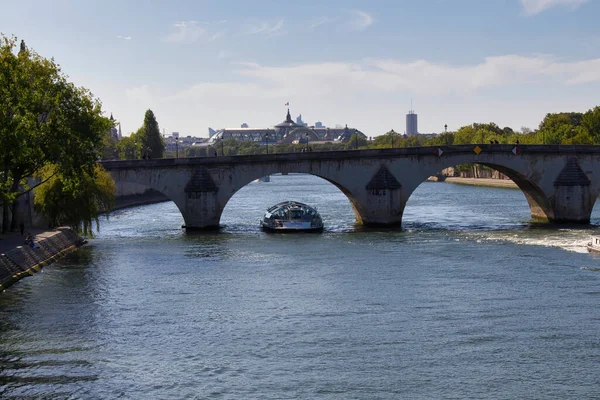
(200, 64)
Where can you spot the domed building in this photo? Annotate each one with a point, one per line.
(285, 127)
(286, 132)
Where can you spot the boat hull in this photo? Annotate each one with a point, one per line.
(290, 230)
(593, 249)
(594, 245)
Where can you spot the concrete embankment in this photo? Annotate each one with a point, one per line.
(132, 200)
(22, 261)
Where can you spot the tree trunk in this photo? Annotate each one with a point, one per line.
(4, 216)
(5, 201)
(14, 223)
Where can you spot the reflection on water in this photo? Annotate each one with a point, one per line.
(467, 300)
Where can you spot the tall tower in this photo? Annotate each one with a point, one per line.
(411, 122)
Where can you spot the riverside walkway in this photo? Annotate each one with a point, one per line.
(12, 240)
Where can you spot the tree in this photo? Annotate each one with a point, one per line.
(444, 139)
(152, 143)
(44, 119)
(356, 141)
(61, 205)
(128, 148)
(591, 123)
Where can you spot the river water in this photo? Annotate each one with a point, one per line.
(468, 300)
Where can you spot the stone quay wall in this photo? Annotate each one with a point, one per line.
(25, 260)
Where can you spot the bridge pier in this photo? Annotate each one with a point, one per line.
(572, 204)
(201, 210)
(380, 202)
(572, 201)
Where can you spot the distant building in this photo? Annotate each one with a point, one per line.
(319, 124)
(244, 125)
(299, 121)
(411, 124)
(175, 135)
(211, 132)
(288, 132)
(114, 132)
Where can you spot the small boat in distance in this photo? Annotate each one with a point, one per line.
(266, 178)
(292, 216)
(594, 244)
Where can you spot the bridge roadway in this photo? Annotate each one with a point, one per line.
(561, 183)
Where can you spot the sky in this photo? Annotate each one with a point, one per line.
(200, 64)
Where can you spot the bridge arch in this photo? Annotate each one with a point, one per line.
(224, 199)
(149, 180)
(540, 207)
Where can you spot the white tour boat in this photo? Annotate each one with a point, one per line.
(292, 216)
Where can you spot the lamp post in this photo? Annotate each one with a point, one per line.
(306, 141)
(176, 148)
(267, 139)
(355, 139)
(222, 148)
(445, 128)
(393, 134)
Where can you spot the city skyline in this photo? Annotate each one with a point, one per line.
(200, 65)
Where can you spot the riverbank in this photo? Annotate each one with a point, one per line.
(485, 182)
(18, 260)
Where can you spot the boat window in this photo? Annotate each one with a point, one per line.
(295, 214)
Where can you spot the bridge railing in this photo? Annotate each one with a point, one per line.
(367, 153)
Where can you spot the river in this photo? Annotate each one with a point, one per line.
(468, 300)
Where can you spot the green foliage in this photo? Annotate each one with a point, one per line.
(356, 142)
(128, 148)
(387, 140)
(445, 139)
(196, 151)
(151, 142)
(75, 203)
(44, 119)
(591, 123)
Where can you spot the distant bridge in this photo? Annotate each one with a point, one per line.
(560, 183)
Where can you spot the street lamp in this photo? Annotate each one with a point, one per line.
(393, 134)
(355, 139)
(176, 148)
(306, 141)
(267, 139)
(445, 128)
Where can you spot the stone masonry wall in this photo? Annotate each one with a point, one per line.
(25, 260)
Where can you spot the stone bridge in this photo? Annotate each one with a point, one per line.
(560, 183)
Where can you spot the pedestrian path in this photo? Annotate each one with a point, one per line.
(12, 240)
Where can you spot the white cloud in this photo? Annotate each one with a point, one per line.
(268, 28)
(533, 7)
(216, 36)
(371, 93)
(319, 21)
(421, 76)
(124, 37)
(185, 31)
(361, 20)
